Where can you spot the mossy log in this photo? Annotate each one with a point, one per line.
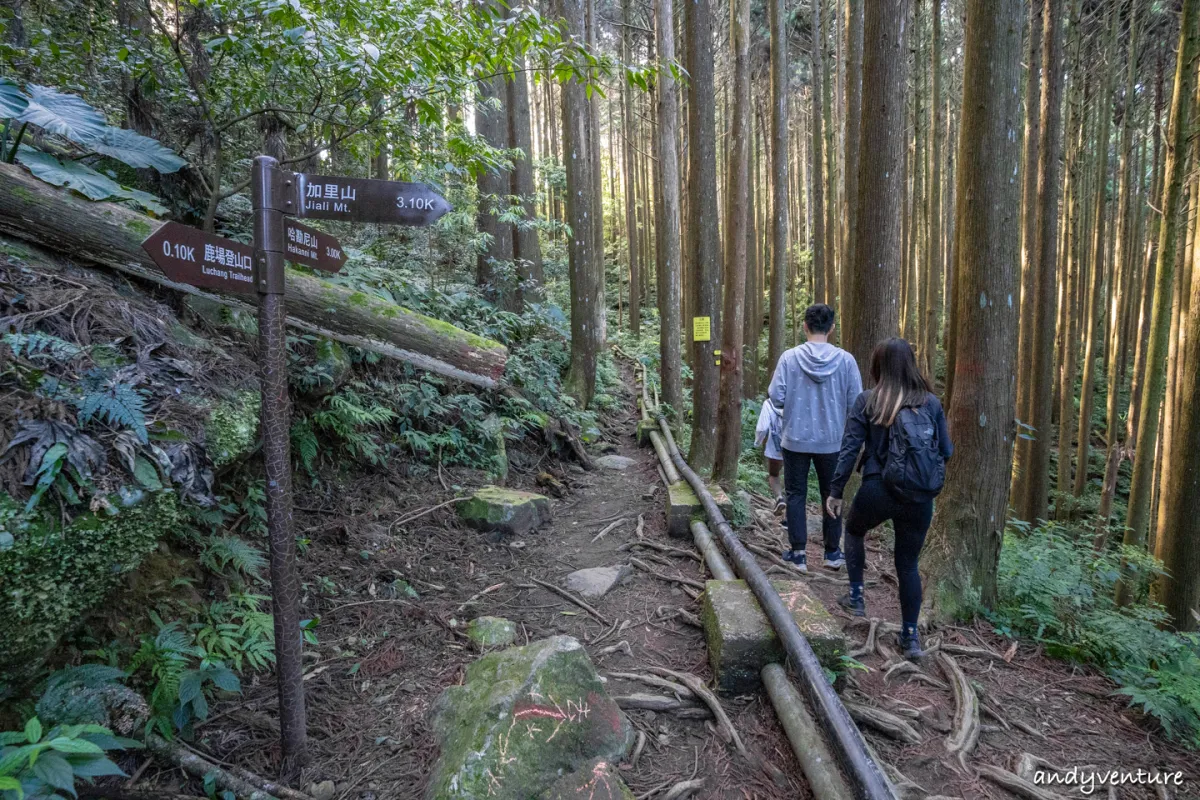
(111, 235)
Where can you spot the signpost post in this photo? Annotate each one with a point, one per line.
(190, 256)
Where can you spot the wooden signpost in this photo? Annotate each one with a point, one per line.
(190, 256)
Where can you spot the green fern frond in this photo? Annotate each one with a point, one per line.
(36, 344)
(118, 404)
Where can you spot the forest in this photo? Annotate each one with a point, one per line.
(407, 457)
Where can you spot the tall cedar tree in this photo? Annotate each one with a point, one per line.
(780, 195)
(494, 187)
(933, 277)
(817, 175)
(964, 543)
(585, 266)
(854, 67)
(527, 252)
(880, 188)
(669, 248)
(627, 134)
(703, 247)
(737, 220)
(1042, 262)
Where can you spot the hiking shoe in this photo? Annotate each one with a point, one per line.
(835, 560)
(910, 646)
(780, 506)
(797, 559)
(856, 606)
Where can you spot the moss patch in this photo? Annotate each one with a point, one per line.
(232, 428)
(50, 581)
(507, 511)
(139, 226)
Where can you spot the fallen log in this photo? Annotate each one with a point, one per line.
(111, 235)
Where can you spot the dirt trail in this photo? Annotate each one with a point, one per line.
(384, 656)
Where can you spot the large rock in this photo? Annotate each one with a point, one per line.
(683, 506)
(523, 718)
(492, 631)
(505, 511)
(741, 641)
(595, 582)
(596, 781)
(619, 463)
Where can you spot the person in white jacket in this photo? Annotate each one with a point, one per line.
(767, 435)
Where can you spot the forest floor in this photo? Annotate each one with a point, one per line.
(385, 655)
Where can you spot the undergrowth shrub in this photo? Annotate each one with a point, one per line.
(1055, 588)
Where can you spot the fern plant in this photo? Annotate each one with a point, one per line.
(236, 632)
(232, 556)
(119, 404)
(37, 346)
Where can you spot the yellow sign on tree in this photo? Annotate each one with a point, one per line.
(701, 329)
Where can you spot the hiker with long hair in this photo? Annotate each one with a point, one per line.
(899, 429)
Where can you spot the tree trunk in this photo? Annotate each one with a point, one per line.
(830, 190)
(1042, 262)
(668, 223)
(631, 236)
(703, 246)
(494, 262)
(964, 543)
(877, 273)
(112, 235)
(1118, 291)
(729, 434)
(752, 312)
(778, 163)
(585, 263)
(1095, 300)
(933, 276)
(819, 249)
(527, 251)
(1141, 486)
(854, 68)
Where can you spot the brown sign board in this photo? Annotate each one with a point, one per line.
(187, 255)
(311, 247)
(363, 200)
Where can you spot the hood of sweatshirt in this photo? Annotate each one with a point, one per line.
(818, 360)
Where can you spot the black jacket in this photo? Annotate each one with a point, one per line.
(860, 430)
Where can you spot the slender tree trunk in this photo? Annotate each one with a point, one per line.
(963, 548)
(584, 261)
(854, 68)
(1118, 291)
(1033, 506)
(819, 248)
(777, 159)
(933, 278)
(494, 185)
(830, 189)
(527, 251)
(669, 275)
(703, 245)
(752, 312)
(1141, 486)
(877, 274)
(729, 434)
(631, 234)
(1095, 300)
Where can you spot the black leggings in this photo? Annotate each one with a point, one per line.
(872, 506)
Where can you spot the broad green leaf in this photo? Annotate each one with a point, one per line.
(63, 114)
(72, 174)
(54, 770)
(65, 745)
(93, 766)
(13, 101)
(131, 148)
(226, 679)
(33, 730)
(189, 686)
(8, 784)
(146, 474)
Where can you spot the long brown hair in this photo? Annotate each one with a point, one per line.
(898, 382)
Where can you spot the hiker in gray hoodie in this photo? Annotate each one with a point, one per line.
(814, 387)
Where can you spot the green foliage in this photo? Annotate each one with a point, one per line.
(40, 763)
(37, 346)
(232, 428)
(232, 557)
(1055, 588)
(355, 419)
(118, 403)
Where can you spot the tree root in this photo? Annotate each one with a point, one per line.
(662, 548)
(641, 526)
(701, 691)
(885, 722)
(637, 750)
(978, 652)
(869, 647)
(1025, 726)
(684, 789)
(678, 689)
(1016, 784)
(607, 528)
(199, 767)
(965, 734)
(994, 714)
(687, 709)
(642, 565)
(621, 645)
(563, 593)
(914, 673)
(475, 597)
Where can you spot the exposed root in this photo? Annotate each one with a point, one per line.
(642, 565)
(884, 722)
(869, 647)
(1016, 784)
(914, 673)
(994, 714)
(701, 691)
(638, 747)
(607, 528)
(200, 768)
(965, 734)
(906, 787)
(641, 526)
(475, 597)
(1025, 726)
(687, 709)
(684, 789)
(621, 645)
(978, 652)
(563, 593)
(662, 548)
(678, 689)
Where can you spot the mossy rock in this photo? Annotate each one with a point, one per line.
(50, 581)
(232, 428)
(741, 640)
(492, 631)
(505, 511)
(522, 719)
(683, 506)
(596, 781)
(644, 429)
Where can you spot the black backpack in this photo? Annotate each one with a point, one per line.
(915, 470)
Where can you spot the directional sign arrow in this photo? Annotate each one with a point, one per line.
(362, 200)
(190, 256)
(311, 247)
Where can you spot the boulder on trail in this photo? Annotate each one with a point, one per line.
(741, 640)
(619, 463)
(505, 511)
(523, 718)
(492, 631)
(596, 781)
(595, 582)
(683, 506)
